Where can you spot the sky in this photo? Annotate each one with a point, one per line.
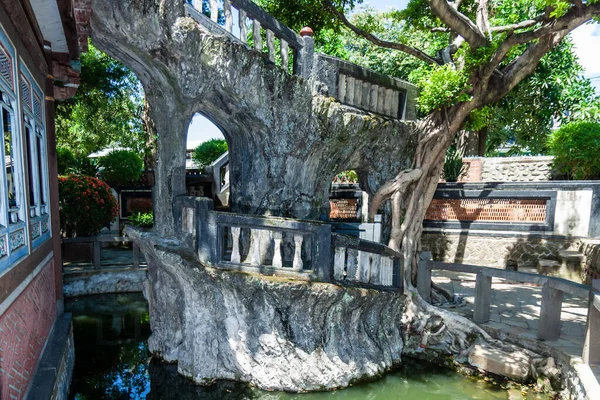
(587, 47)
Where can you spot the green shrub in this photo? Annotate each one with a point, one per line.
(83, 165)
(207, 152)
(453, 167)
(143, 220)
(576, 150)
(86, 205)
(65, 160)
(121, 167)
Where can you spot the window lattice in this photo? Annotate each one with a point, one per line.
(37, 106)
(25, 93)
(6, 66)
(493, 210)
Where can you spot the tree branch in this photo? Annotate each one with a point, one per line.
(421, 55)
(388, 189)
(458, 22)
(483, 22)
(521, 25)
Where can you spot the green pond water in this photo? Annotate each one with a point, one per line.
(112, 362)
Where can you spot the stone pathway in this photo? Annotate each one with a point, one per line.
(515, 309)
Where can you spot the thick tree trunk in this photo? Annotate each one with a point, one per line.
(412, 192)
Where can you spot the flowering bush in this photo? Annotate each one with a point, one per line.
(86, 205)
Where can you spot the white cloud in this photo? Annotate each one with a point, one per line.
(587, 48)
(201, 129)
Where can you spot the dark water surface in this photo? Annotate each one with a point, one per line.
(112, 362)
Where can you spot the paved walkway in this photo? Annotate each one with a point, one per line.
(515, 310)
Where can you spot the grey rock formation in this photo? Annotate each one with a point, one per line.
(287, 138)
(274, 333)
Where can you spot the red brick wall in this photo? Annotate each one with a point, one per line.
(24, 328)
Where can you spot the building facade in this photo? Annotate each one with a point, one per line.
(39, 53)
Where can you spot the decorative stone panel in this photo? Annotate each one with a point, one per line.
(17, 239)
(516, 169)
(3, 250)
(495, 210)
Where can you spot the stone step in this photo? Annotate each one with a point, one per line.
(570, 256)
(545, 266)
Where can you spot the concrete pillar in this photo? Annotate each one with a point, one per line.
(591, 345)
(549, 325)
(483, 296)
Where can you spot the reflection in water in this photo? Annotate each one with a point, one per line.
(112, 362)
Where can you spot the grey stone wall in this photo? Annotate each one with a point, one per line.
(498, 251)
(516, 169)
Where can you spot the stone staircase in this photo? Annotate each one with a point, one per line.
(569, 264)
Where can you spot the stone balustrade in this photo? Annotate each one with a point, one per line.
(294, 52)
(553, 290)
(361, 262)
(348, 83)
(285, 247)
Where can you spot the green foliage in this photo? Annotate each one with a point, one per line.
(86, 205)
(207, 152)
(143, 220)
(121, 167)
(65, 160)
(557, 92)
(453, 166)
(349, 176)
(443, 87)
(106, 110)
(576, 147)
(84, 166)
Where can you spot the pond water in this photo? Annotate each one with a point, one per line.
(112, 362)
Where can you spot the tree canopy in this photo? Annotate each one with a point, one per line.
(106, 110)
(556, 92)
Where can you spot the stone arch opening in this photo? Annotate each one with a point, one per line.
(207, 161)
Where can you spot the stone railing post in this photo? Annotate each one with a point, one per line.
(483, 296)
(549, 325)
(304, 57)
(424, 276)
(206, 231)
(591, 345)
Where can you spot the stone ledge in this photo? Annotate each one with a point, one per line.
(53, 375)
(103, 282)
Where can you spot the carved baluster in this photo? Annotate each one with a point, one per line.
(235, 245)
(373, 99)
(352, 265)
(256, 35)
(271, 45)
(243, 27)
(228, 17)
(277, 262)
(350, 81)
(339, 263)
(342, 88)
(255, 260)
(381, 100)
(298, 265)
(389, 99)
(283, 45)
(214, 10)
